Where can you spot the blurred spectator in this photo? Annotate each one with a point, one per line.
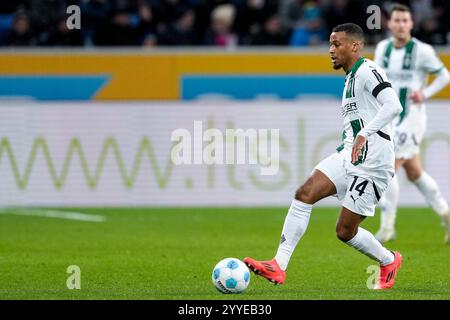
(45, 17)
(428, 26)
(252, 15)
(309, 29)
(20, 34)
(203, 10)
(95, 21)
(271, 34)
(167, 11)
(343, 11)
(8, 8)
(443, 14)
(180, 31)
(220, 33)
(172, 22)
(11, 6)
(291, 11)
(128, 22)
(62, 36)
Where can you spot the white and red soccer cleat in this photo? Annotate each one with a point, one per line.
(389, 272)
(267, 269)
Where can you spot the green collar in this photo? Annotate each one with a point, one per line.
(356, 65)
(409, 44)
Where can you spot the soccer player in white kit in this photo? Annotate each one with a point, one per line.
(359, 171)
(408, 62)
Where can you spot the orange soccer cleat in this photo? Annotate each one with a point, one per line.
(267, 269)
(388, 273)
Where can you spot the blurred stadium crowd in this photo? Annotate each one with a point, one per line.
(204, 22)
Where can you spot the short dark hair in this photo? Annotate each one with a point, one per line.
(399, 7)
(351, 29)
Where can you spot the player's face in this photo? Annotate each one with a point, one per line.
(341, 48)
(401, 24)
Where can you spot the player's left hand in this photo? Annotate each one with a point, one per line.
(417, 97)
(358, 145)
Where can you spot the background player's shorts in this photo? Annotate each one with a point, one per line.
(359, 192)
(409, 135)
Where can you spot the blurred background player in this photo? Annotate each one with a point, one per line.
(357, 175)
(408, 62)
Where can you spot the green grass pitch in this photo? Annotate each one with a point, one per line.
(170, 253)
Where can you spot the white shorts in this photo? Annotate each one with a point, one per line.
(359, 192)
(409, 135)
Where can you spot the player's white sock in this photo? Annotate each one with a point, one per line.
(366, 243)
(389, 205)
(294, 227)
(429, 188)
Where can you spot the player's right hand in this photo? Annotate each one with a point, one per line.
(358, 145)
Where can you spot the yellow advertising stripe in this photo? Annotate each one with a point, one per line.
(132, 76)
(157, 76)
(255, 63)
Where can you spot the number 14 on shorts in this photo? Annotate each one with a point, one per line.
(360, 187)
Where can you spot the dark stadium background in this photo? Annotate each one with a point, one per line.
(151, 23)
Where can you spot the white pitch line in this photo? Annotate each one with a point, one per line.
(53, 214)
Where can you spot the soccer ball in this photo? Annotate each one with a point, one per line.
(231, 275)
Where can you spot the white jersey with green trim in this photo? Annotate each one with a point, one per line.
(364, 81)
(407, 69)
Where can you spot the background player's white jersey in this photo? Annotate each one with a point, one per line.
(407, 69)
(363, 83)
